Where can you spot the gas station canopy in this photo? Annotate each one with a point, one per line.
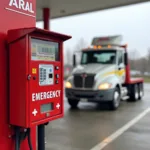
(62, 8)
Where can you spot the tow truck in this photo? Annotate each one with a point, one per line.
(103, 75)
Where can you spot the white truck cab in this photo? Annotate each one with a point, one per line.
(102, 75)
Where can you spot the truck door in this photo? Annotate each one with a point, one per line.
(121, 67)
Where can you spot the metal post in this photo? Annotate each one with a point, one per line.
(41, 137)
(46, 18)
(41, 128)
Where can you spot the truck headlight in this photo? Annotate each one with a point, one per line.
(104, 86)
(68, 85)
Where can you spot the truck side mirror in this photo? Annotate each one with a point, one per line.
(126, 58)
(74, 60)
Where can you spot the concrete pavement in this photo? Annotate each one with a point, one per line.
(84, 128)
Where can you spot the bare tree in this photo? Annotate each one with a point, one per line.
(68, 56)
(148, 57)
(81, 44)
(142, 64)
(133, 56)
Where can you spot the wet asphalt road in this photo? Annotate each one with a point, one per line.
(84, 128)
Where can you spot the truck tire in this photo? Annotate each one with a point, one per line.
(134, 93)
(141, 91)
(73, 103)
(114, 104)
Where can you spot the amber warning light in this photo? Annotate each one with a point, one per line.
(109, 40)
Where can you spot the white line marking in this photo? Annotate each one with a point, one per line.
(116, 134)
(20, 12)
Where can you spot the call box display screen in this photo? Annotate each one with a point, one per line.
(46, 107)
(44, 50)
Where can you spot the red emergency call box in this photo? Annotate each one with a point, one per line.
(36, 76)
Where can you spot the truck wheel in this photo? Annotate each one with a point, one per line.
(73, 103)
(116, 99)
(140, 90)
(134, 93)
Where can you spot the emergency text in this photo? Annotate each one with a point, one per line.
(45, 95)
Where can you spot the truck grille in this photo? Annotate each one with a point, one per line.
(84, 80)
(78, 81)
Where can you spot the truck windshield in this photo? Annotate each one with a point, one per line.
(101, 56)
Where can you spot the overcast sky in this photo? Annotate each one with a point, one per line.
(133, 22)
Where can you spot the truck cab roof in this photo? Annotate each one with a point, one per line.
(107, 43)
